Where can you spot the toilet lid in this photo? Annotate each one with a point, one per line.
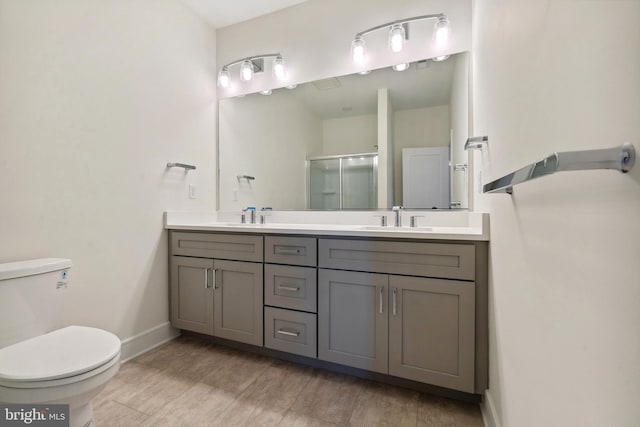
(59, 354)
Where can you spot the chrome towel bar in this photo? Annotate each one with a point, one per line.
(620, 158)
(180, 165)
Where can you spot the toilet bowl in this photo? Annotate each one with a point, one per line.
(70, 365)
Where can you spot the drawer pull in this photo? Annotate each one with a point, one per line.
(288, 333)
(288, 288)
(287, 251)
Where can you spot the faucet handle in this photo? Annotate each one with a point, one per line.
(413, 220)
(383, 220)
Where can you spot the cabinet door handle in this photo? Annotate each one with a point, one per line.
(381, 293)
(206, 278)
(214, 279)
(288, 288)
(394, 301)
(288, 333)
(287, 251)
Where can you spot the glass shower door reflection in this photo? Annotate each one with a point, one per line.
(343, 182)
(359, 189)
(324, 184)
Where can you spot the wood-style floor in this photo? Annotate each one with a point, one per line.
(191, 382)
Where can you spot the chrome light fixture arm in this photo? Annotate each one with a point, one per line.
(400, 22)
(251, 58)
(250, 65)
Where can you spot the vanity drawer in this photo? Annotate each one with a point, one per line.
(290, 250)
(290, 287)
(290, 331)
(449, 261)
(220, 246)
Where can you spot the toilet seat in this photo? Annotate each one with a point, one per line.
(60, 357)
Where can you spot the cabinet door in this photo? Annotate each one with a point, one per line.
(431, 331)
(238, 301)
(353, 319)
(192, 294)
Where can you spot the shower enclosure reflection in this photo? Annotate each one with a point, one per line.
(343, 182)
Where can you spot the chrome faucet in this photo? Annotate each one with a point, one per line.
(263, 215)
(398, 215)
(252, 214)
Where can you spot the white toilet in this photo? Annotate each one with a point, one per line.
(41, 365)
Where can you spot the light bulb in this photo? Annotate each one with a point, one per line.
(441, 31)
(396, 38)
(441, 58)
(401, 67)
(246, 70)
(279, 70)
(266, 92)
(224, 79)
(357, 49)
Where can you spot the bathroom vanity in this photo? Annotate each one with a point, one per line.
(403, 306)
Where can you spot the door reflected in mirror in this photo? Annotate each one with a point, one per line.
(350, 142)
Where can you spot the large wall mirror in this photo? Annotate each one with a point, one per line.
(360, 141)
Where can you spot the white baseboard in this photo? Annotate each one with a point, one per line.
(147, 340)
(489, 414)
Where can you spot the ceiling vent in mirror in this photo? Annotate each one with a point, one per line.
(327, 84)
(399, 34)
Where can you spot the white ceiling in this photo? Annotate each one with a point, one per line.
(220, 13)
(424, 84)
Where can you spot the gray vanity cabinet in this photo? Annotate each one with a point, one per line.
(238, 301)
(353, 319)
(410, 309)
(217, 285)
(192, 294)
(432, 331)
(419, 328)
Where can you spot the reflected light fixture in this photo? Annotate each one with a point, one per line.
(357, 49)
(441, 31)
(401, 67)
(250, 66)
(440, 58)
(399, 34)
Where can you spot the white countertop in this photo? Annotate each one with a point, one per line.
(434, 225)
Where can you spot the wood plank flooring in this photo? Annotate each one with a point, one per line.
(191, 382)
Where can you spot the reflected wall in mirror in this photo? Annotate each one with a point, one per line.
(387, 112)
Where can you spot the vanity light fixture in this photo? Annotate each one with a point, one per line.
(440, 58)
(401, 67)
(251, 65)
(399, 33)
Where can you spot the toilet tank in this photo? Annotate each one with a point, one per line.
(31, 296)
